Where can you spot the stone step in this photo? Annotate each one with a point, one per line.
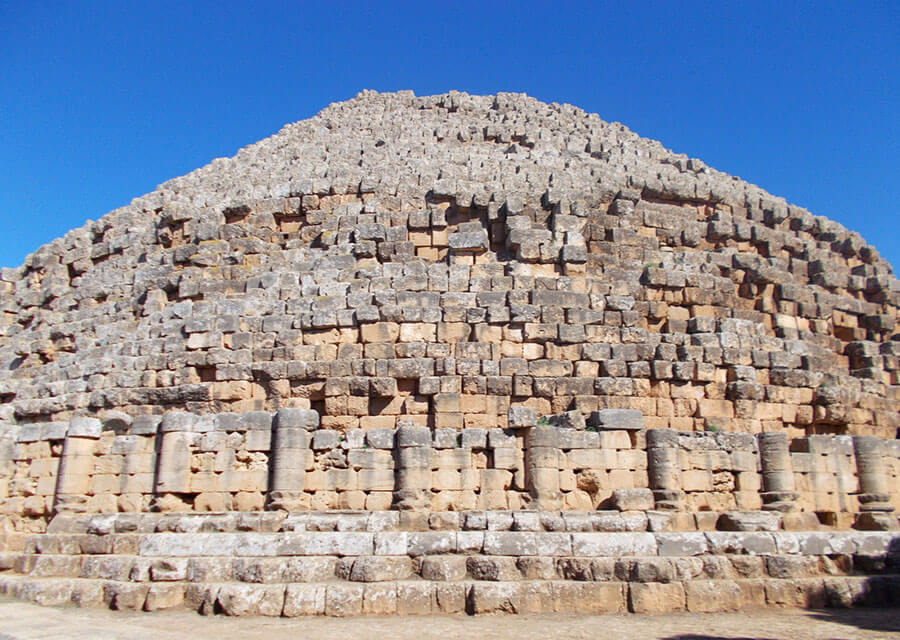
(444, 567)
(511, 543)
(372, 521)
(392, 520)
(430, 597)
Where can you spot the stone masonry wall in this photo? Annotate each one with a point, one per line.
(248, 462)
(443, 259)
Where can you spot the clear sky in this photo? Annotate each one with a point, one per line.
(102, 101)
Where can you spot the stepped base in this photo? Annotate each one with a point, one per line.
(338, 564)
(469, 597)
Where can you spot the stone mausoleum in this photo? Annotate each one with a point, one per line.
(451, 354)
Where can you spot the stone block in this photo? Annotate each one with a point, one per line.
(807, 593)
(632, 499)
(416, 598)
(413, 436)
(749, 521)
(613, 544)
(656, 598)
(443, 568)
(307, 419)
(344, 600)
(510, 543)
(164, 596)
(493, 568)
(589, 597)
(710, 596)
(521, 417)
(85, 428)
(379, 599)
(682, 544)
(494, 598)
(381, 568)
(380, 332)
(421, 543)
(567, 420)
(755, 543)
(125, 596)
(617, 419)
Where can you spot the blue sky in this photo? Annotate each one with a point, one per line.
(102, 101)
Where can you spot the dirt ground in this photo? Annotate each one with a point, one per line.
(22, 621)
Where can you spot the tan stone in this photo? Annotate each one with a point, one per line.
(304, 599)
(655, 597)
(708, 596)
(164, 596)
(416, 332)
(380, 332)
(452, 332)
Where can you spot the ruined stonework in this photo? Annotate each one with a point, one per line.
(485, 346)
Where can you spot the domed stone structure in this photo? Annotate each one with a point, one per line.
(452, 305)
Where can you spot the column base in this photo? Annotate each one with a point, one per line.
(287, 501)
(669, 500)
(877, 502)
(876, 521)
(66, 504)
(783, 501)
(412, 500)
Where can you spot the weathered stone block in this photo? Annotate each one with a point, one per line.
(656, 598)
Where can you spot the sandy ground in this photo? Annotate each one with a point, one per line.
(22, 621)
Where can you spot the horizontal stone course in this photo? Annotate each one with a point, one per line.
(424, 597)
(603, 376)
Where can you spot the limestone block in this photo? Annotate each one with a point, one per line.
(493, 569)
(288, 417)
(164, 596)
(415, 332)
(633, 499)
(443, 568)
(613, 544)
(409, 436)
(709, 596)
(169, 570)
(125, 596)
(242, 600)
(84, 428)
(697, 480)
(494, 597)
(614, 440)
(631, 459)
(749, 521)
(589, 597)
(258, 570)
(376, 480)
(421, 543)
(391, 543)
(304, 600)
(380, 332)
(617, 419)
(416, 598)
(656, 598)
(380, 438)
(379, 599)
(381, 568)
(591, 459)
(520, 417)
(307, 569)
(807, 593)
(682, 544)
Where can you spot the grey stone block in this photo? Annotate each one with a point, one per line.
(300, 418)
(624, 419)
(85, 428)
(521, 417)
